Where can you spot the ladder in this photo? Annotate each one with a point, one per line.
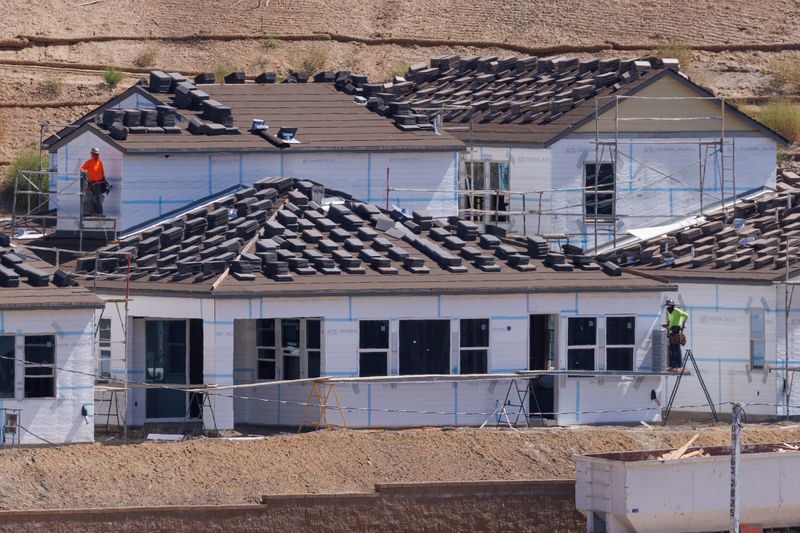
(321, 393)
(522, 394)
(113, 401)
(689, 356)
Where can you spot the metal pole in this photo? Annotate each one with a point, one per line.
(722, 159)
(786, 329)
(524, 215)
(736, 459)
(387, 188)
(539, 217)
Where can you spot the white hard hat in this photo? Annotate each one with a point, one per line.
(95, 150)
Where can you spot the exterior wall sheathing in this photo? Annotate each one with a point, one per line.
(230, 358)
(656, 183)
(718, 333)
(59, 419)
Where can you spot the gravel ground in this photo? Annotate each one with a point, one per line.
(211, 471)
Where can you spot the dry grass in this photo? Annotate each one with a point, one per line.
(270, 43)
(52, 88)
(781, 116)
(399, 68)
(147, 57)
(677, 50)
(222, 69)
(784, 74)
(312, 60)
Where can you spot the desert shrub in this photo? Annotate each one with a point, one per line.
(147, 57)
(312, 60)
(676, 50)
(221, 70)
(28, 159)
(112, 76)
(781, 116)
(784, 74)
(270, 43)
(399, 68)
(52, 88)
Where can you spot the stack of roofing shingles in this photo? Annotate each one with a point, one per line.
(754, 236)
(490, 89)
(277, 228)
(13, 266)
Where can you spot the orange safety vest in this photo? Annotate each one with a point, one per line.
(94, 170)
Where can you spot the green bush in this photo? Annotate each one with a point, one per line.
(781, 116)
(112, 77)
(26, 160)
(52, 88)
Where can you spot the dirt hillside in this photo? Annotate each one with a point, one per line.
(541, 22)
(208, 471)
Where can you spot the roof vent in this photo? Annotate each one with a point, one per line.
(259, 125)
(287, 135)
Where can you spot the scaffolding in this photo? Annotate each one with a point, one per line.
(716, 155)
(37, 208)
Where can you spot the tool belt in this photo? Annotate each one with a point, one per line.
(676, 336)
(102, 186)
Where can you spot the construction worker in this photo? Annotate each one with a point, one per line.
(93, 175)
(676, 322)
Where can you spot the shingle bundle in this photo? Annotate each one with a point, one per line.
(160, 82)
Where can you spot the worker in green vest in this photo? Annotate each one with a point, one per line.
(676, 322)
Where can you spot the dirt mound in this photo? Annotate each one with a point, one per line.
(206, 471)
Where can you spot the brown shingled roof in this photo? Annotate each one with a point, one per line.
(28, 283)
(518, 100)
(748, 246)
(284, 240)
(326, 120)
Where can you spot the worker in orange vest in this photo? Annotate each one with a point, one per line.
(95, 178)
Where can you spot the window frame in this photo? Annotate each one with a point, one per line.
(53, 375)
(373, 351)
(104, 350)
(487, 203)
(259, 347)
(593, 347)
(462, 348)
(631, 346)
(13, 361)
(590, 190)
(761, 339)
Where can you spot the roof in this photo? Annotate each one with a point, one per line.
(27, 283)
(288, 238)
(522, 100)
(325, 119)
(747, 247)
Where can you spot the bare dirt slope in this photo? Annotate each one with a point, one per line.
(541, 22)
(156, 29)
(214, 471)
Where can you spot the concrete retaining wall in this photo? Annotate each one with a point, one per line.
(502, 506)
